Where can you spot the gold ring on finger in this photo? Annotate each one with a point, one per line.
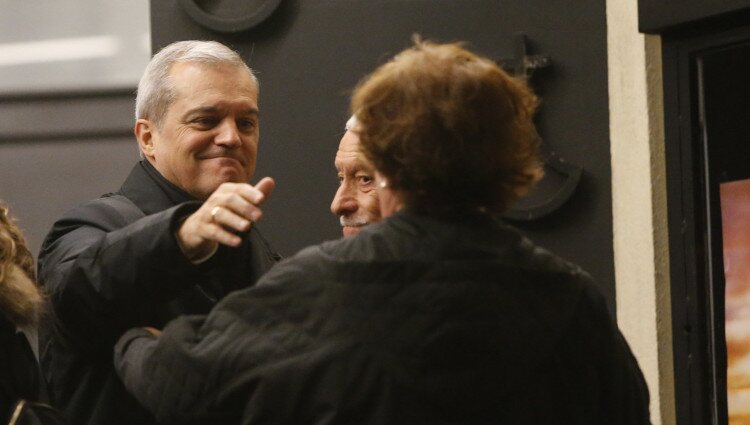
(214, 211)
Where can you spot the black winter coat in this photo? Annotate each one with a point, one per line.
(19, 373)
(20, 307)
(113, 263)
(413, 321)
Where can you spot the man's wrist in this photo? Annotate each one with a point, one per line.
(201, 259)
(195, 256)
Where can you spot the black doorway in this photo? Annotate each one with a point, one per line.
(707, 121)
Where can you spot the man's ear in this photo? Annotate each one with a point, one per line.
(144, 133)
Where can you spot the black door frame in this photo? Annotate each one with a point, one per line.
(697, 285)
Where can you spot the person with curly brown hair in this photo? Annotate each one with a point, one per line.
(438, 314)
(21, 305)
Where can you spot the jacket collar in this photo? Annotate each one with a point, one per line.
(410, 235)
(150, 191)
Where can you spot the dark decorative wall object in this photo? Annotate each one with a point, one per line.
(229, 15)
(561, 178)
(309, 55)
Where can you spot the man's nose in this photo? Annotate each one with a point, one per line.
(229, 134)
(344, 202)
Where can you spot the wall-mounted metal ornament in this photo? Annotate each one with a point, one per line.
(561, 178)
(229, 16)
(522, 64)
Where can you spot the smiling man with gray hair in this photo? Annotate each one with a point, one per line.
(174, 239)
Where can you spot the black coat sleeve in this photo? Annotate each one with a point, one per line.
(204, 369)
(195, 371)
(105, 275)
(168, 375)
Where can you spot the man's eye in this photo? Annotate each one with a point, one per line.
(340, 179)
(246, 125)
(205, 122)
(364, 179)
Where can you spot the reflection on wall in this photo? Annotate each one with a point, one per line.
(72, 45)
(735, 215)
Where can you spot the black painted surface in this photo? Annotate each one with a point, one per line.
(657, 16)
(310, 54)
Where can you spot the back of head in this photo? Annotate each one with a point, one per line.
(20, 299)
(155, 90)
(451, 131)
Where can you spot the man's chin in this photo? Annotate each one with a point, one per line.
(227, 170)
(209, 186)
(351, 230)
(231, 174)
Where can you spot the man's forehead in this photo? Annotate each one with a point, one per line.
(348, 157)
(349, 143)
(186, 74)
(201, 89)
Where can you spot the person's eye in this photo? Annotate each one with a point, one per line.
(205, 122)
(246, 124)
(340, 178)
(364, 179)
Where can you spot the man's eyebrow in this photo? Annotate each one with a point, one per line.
(250, 111)
(355, 167)
(202, 110)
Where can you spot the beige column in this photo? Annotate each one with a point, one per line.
(639, 217)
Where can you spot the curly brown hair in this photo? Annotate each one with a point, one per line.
(13, 250)
(450, 130)
(21, 301)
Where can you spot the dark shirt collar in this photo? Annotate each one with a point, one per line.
(174, 193)
(151, 191)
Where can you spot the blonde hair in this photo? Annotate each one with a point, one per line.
(21, 301)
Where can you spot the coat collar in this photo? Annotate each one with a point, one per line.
(150, 191)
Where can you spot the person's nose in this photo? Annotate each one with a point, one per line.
(344, 202)
(229, 134)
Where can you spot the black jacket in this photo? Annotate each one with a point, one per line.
(113, 263)
(19, 373)
(20, 307)
(413, 321)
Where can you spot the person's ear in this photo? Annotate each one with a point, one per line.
(144, 133)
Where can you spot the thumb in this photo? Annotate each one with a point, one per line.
(266, 185)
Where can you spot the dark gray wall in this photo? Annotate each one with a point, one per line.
(310, 54)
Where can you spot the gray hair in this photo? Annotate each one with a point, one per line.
(156, 91)
(351, 123)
